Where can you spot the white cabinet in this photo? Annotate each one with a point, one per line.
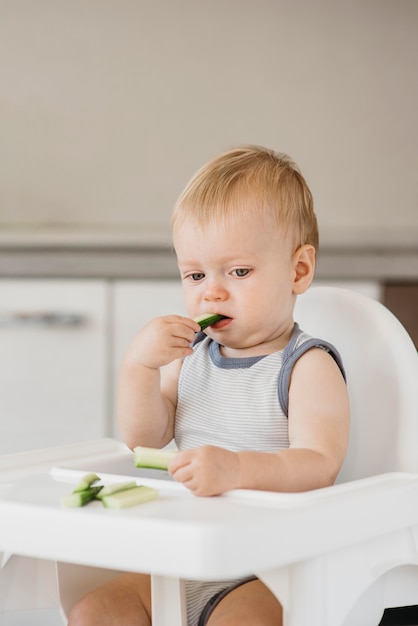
(135, 303)
(138, 301)
(54, 367)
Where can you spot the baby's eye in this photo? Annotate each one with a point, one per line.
(195, 276)
(240, 272)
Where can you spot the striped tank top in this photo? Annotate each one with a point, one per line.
(238, 404)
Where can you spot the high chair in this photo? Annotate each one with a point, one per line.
(334, 557)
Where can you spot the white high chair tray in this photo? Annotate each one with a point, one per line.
(180, 535)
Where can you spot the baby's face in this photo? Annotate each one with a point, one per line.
(242, 269)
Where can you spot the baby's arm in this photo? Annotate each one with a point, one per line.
(319, 418)
(318, 433)
(147, 393)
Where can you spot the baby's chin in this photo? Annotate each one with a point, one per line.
(255, 345)
(243, 349)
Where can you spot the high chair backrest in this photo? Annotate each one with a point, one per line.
(381, 364)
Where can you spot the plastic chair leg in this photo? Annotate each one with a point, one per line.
(168, 601)
(27, 583)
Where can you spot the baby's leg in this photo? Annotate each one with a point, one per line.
(123, 601)
(249, 604)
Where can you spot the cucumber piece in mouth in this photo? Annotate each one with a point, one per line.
(208, 319)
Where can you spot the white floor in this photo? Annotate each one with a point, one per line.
(40, 617)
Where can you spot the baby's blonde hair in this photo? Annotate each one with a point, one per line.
(250, 179)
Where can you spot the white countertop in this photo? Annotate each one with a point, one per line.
(91, 237)
(137, 252)
(157, 237)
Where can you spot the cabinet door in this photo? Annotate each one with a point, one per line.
(402, 299)
(52, 362)
(135, 303)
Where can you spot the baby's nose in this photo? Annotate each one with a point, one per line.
(215, 291)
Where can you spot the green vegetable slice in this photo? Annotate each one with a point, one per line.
(86, 482)
(153, 458)
(115, 488)
(80, 498)
(130, 497)
(207, 319)
(115, 496)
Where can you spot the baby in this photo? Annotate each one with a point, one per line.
(253, 402)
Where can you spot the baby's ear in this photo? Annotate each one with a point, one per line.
(304, 268)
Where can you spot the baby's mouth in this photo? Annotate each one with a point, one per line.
(224, 321)
(210, 319)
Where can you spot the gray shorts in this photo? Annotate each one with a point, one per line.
(215, 599)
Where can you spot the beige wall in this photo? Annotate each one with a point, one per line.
(107, 107)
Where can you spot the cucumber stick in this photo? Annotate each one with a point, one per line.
(86, 482)
(153, 458)
(129, 497)
(115, 496)
(207, 319)
(115, 488)
(80, 498)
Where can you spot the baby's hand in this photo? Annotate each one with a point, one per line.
(163, 340)
(206, 471)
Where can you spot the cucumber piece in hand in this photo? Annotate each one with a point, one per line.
(153, 458)
(129, 497)
(207, 319)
